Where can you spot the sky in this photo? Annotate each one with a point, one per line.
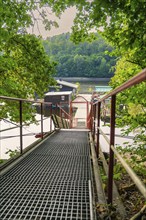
(65, 23)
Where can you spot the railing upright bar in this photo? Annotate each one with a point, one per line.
(111, 153)
(94, 118)
(71, 116)
(98, 125)
(42, 120)
(21, 138)
(87, 113)
(51, 117)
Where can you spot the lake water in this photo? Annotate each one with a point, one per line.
(87, 85)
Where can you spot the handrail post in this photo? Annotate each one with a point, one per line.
(42, 120)
(51, 117)
(71, 115)
(98, 125)
(87, 105)
(111, 153)
(20, 114)
(94, 117)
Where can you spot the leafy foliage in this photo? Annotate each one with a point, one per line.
(13, 153)
(14, 18)
(123, 24)
(135, 158)
(133, 114)
(82, 60)
(25, 68)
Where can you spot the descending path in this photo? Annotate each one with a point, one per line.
(52, 182)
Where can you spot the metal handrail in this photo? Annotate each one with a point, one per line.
(7, 129)
(21, 112)
(97, 108)
(129, 170)
(63, 111)
(140, 77)
(24, 100)
(131, 173)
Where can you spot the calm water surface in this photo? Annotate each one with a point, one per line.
(87, 85)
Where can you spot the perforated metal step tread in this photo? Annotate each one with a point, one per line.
(52, 182)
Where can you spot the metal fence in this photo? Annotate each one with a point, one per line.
(96, 131)
(20, 117)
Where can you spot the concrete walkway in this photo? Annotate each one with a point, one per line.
(80, 117)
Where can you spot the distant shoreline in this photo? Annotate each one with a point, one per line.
(83, 79)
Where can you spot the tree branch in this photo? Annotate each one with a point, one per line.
(141, 213)
(134, 62)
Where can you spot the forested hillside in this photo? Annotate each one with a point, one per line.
(80, 60)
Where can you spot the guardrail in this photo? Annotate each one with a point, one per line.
(41, 105)
(96, 130)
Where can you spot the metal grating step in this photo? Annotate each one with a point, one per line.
(77, 191)
(52, 210)
(50, 183)
(72, 168)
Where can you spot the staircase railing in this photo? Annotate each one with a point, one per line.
(96, 131)
(21, 124)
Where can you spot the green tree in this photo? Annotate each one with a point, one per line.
(80, 60)
(123, 24)
(25, 69)
(133, 114)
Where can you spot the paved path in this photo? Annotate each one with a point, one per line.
(81, 113)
